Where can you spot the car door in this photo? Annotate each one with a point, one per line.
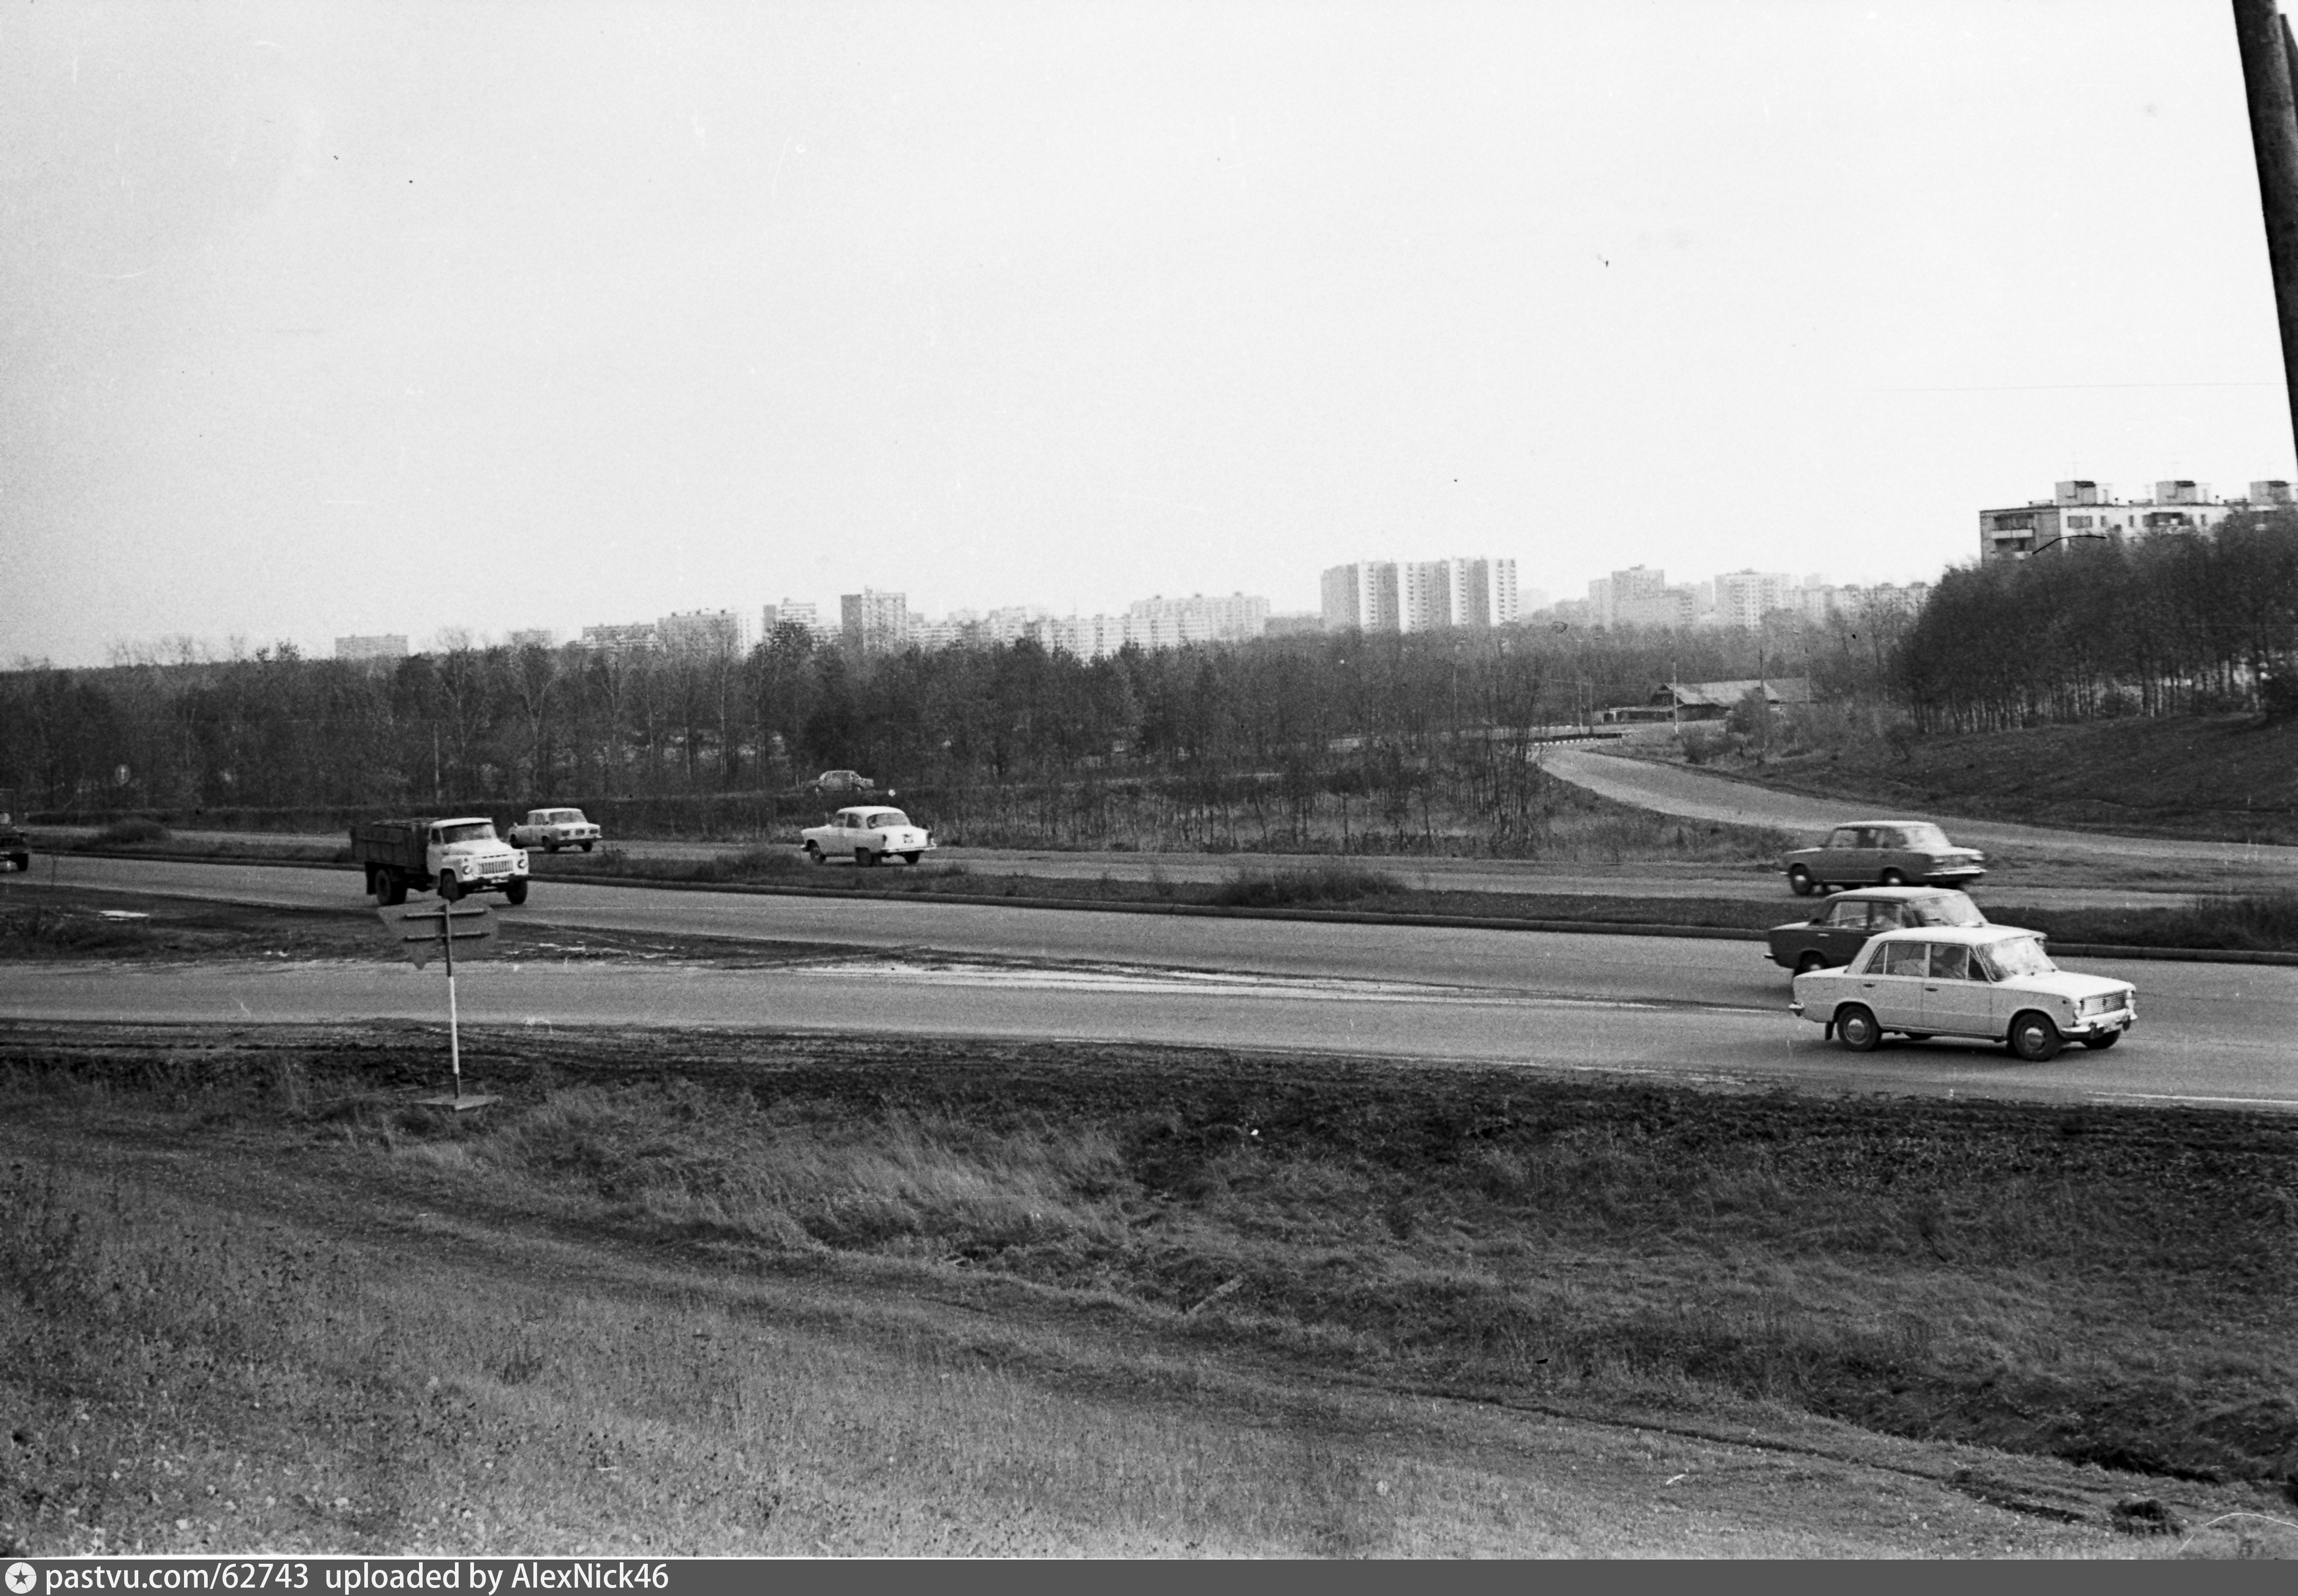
(1958, 999)
(1840, 857)
(1844, 929)
(1893, 985)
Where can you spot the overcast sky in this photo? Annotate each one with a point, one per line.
(329, 318)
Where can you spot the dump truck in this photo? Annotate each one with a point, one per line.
(451, 858)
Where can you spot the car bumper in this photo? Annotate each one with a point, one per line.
(2092, 1025)
(1954, 875)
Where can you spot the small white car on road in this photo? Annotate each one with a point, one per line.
(551, 829)
(1990, 981)
(869, 832)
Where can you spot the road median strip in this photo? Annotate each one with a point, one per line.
(1714, 933)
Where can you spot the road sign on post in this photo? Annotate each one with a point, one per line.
(448, 931)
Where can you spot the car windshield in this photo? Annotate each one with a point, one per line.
(469, 831)
(1957, 910)
(889, 817)
(2015, 956)
(1924, 837)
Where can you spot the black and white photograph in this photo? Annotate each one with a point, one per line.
(1041, 779)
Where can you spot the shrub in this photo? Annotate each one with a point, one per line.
(1264, 889)
(124, 833)
(1703, 741)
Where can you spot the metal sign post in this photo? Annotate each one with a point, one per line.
(423, 930)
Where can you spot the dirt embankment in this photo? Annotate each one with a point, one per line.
(749, 1292)
(2224, 777)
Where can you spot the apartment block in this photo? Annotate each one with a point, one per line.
(790, 612)
(873, 622)
(1744, 597)
(1361, 595)
(2081, 510)
(1237, 617)
(635, 638)
(705, 632)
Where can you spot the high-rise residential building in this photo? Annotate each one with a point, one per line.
(1744, 597)
(874, 623)
(1466, 590)
(1640, 596)
(389, 645)
(791, 612)
(1425, 595)
(1361, 595)
(705, 632)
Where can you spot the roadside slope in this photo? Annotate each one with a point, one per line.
(1698, 795)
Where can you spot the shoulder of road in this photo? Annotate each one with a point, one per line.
(1584, 927)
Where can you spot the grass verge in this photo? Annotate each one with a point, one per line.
(2218, 778)
(2105, 1289)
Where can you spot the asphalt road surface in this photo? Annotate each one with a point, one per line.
(2066, 881)
(1686, 1009)
(1695, 795)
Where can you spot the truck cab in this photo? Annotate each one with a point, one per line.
(451, 857)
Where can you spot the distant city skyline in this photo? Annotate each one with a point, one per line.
(373, 318)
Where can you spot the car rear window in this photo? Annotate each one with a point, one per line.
(1957, 910)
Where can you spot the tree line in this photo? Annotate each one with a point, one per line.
(2169, 624)
(1022, 741)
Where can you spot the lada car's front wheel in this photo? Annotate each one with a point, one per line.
(1857, 1029)
(2034, 1038)
(2099, 1041)
(1799, 881)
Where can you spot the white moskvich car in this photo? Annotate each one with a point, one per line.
(868, 831)
(1991, 981)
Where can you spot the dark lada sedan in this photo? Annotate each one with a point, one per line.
(1835, 935)
(1892, 852)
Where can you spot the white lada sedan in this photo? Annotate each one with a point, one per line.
(1991, 981)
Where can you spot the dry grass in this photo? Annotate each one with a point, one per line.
(2105, 1286)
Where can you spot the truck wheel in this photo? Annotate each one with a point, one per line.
(450, 888)
(516, 891)
(378, 887)
(21, 862)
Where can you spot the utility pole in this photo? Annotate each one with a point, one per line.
(2267, 58)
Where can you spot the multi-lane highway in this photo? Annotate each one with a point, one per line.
(1680, 1008)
